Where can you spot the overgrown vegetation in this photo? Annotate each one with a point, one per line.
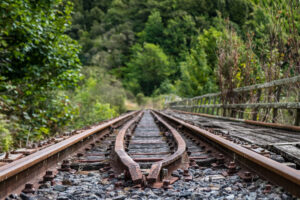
(37, 61)
(100, 96)
(64, 69)
(193, 46)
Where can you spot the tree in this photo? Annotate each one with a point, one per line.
(238, 10)
(179, 35)
(197, 77)
(153, 32)
(147, 69)
(99, 97)
(5, 135)
(37, 60)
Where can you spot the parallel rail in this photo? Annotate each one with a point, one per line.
(127, 161)
(273, 171)
(257, 123)
(14, 175)
(181, 148)
(133, 167)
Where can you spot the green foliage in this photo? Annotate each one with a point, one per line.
(199, 68)
(166, 87)
(176, 25)
(238, 10)
(37, 61)
(140, 99)
(238, 66)
(179, 33)
(197, 77)
(153, 47)
(6, 139)
(147, 69)
(153, 31)
(99, 97)
(276, 30)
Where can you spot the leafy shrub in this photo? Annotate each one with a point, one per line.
(140, 99)
(38, 60)
(6, 139)
(99, 97)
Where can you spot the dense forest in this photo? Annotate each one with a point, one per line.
(69, 64)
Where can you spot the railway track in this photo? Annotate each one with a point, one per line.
(149, 150)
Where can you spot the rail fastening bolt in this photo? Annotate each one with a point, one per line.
(220, 159)
(268, 188)
(48, 176)
(118, 184)
(65, 166)
(193, 162)
(231, 167)
(164, 173)
(248, 176)
(166, 184)
(186, 172)
(28, 189)
(80, 154)
(189, 153)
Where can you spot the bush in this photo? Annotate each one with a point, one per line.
(140, 99)
(99, 97)
(6, 139)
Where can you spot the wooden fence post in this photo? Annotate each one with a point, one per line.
(255, 110)
(277, 99)
(208, 103)
(218, 108)
(213, 108)
(198, 104)
(203, 103)
(297, 121)
(194, 105)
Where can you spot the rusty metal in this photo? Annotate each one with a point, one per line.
(247, 176)
(268, 188)
(160, 153)
(273, 125)
(273, 171)
(193, 163)
(49, 176)
(181, 147)
(231, 168)
(80, 154)
(147, 159)
(252, 122)
(14, 175)
(187, 176)
(65, 166)
(132, 167)
(29, 189)
(220, 159)
(166, 184)
(156, 167)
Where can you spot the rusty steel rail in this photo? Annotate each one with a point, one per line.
(251, 122)
(181, 149)
(271, 170)
(133, 167)
(127, 161)
(14, 175)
